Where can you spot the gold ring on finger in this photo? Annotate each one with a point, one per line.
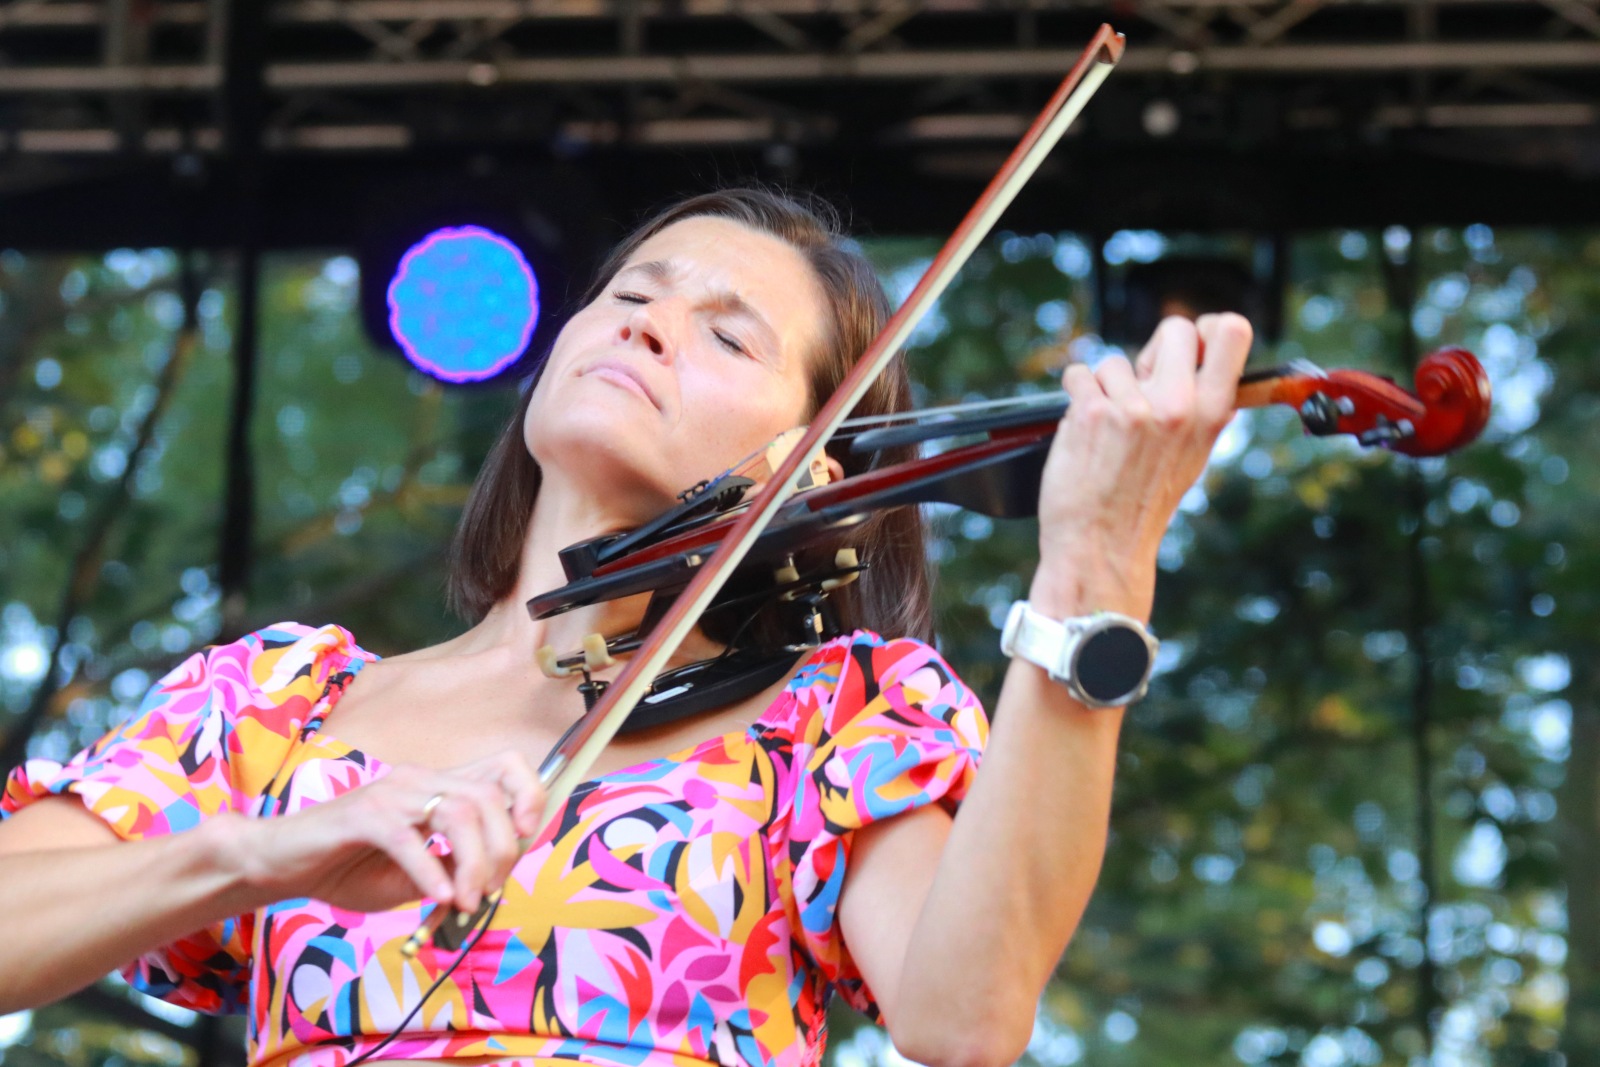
(432, 804)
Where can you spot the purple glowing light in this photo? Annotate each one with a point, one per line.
(463, 304)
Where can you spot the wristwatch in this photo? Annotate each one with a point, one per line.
(1105, 659)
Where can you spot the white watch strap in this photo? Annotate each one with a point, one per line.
(1037, 638)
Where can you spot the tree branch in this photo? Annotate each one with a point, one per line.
(87, 560)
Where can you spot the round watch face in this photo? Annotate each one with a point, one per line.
(1112, 663)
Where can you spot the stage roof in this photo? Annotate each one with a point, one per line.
(147, 122)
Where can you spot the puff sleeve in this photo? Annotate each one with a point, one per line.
(207, 739)
(900, 731)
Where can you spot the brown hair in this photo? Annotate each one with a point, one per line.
(893, 595)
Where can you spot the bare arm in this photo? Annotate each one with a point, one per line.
(957, 925)
(80, 902)
(998, 893)
(76, 901)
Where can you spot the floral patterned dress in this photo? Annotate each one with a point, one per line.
(681, 911)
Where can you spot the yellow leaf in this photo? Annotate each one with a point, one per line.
(75, 443)
(1337, 715)
(54, 468)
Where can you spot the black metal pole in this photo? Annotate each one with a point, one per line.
(1401, 275)
(243, 117)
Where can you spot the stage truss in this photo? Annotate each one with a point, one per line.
(798, 89)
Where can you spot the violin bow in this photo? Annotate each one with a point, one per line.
(569, 762)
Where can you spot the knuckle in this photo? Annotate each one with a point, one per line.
(1171, 416)
(1137, 412)
(394, 836)
(1091, 412)
(453, 807)
(489, 794)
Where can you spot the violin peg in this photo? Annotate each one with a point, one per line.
(846, 560)
(549, 663)
(817, 472)
(596, 656)
(787, 574)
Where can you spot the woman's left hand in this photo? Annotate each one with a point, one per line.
(1134, 439)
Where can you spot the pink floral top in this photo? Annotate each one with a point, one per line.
(682, 911)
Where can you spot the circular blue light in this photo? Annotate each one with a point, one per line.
(463, 304)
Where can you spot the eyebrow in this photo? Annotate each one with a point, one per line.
(663, 272)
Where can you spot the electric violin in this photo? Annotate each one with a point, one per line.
(997, 475)
(805, 552)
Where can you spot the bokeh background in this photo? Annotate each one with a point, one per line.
(1355, 820)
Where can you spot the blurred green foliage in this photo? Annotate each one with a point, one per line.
(1263, 896)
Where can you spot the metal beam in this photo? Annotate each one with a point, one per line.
(69, 13)
(1006, 64)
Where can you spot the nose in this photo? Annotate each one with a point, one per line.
(643, 327)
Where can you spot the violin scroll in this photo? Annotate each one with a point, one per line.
(1448, 410)
(1454, 387)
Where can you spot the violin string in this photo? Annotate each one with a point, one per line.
(854, 427)
(870, 422)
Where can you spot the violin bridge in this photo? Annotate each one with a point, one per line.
(816, 472)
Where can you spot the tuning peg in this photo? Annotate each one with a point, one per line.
(550, 663)
(845, 560)
(1386, 432)
(596, 656)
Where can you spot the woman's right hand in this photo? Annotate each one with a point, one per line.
(367, 850)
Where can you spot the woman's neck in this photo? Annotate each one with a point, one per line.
(564, 516)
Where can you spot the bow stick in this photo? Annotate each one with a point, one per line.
(569, 762)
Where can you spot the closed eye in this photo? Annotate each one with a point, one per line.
(728, 341)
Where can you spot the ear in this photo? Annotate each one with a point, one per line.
(835, 469)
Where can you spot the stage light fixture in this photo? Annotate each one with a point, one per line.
(466, 275)
(463, 304)
(1134, 299)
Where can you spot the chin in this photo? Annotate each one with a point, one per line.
(618, 463)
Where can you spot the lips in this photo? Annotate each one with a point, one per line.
(623, 374)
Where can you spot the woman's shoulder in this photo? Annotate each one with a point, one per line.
(865, 673)
(208, 735)
(284, 666)
(283, 656)
(295, 655)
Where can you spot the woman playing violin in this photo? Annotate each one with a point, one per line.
(258, 837)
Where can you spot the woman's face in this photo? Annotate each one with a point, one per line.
(697, 353)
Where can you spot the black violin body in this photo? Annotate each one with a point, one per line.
(799, 550)
(804, 553)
